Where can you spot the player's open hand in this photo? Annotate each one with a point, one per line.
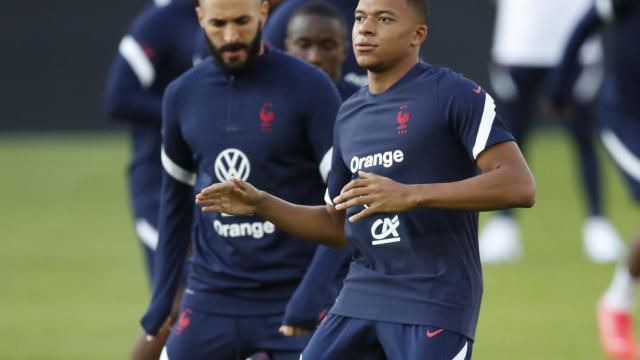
(234, 197)
(377, 194)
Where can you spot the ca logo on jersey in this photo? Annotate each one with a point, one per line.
(385, 231)
(232, 163)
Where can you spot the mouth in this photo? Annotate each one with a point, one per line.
(365, 46)
(234, 53)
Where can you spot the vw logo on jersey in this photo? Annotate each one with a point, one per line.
(232, 163)
(385, 231)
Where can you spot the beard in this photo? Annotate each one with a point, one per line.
(237, 66)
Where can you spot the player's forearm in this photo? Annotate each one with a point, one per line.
(311, 223)
(504, 187)
(175, 218)
(587, 26)
(312, 294)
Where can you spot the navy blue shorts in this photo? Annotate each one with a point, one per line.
(197, 335)
(621, 138)
(344, 338)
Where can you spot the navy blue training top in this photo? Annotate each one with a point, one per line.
(421, 266)
(275, 34)
(271, 126)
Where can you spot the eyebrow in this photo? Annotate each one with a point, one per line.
(378, 13)
(236, 19)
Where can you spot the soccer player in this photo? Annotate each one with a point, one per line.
(620, 116)
(275, 34)
(316, 33)
(530, 36)
(404, 188)
(254, 113)
(149, 58)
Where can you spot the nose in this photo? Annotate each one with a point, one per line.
(314, 56)
(231, 34)
(366, 27)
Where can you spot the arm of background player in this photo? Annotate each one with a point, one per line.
(176, 217)
(126, 98)
(311, 298)
(312, 295)
(128, 93)
(562, 79)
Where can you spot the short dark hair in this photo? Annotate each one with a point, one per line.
(197, 3)
(322, 9)
(422, 7)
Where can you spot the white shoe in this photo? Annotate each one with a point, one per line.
(500, 241)
(601, 240)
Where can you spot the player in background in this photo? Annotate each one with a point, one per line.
(404, 189)
(620, 118)
(255, 113)
(528, 42)
(316, 33)
(149, 58)
(275, 34)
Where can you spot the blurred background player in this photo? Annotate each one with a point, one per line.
(149, 58)
(316, 33)
(528, 41)
(254, 113)
(275, 34)
(620, 114)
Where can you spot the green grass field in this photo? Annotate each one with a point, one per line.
(73, 284)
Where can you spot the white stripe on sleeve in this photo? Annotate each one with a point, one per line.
(627, 161)
(325, 165)
(164, 355)
(176, 172)
(133, 53)
(463, 353)
(605, 9)
(162, 2)
(147, 233)
(327, 198)
(486, 122)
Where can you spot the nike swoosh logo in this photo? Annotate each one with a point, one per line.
(477, 90)
(431, 334)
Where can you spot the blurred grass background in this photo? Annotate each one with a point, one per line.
(73, 285)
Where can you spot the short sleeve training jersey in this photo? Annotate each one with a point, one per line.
(420, 266)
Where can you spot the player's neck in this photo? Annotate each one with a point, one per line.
(379, 82)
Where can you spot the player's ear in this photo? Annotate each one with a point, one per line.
(264, 12)
(200, 15)
(420, 34)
